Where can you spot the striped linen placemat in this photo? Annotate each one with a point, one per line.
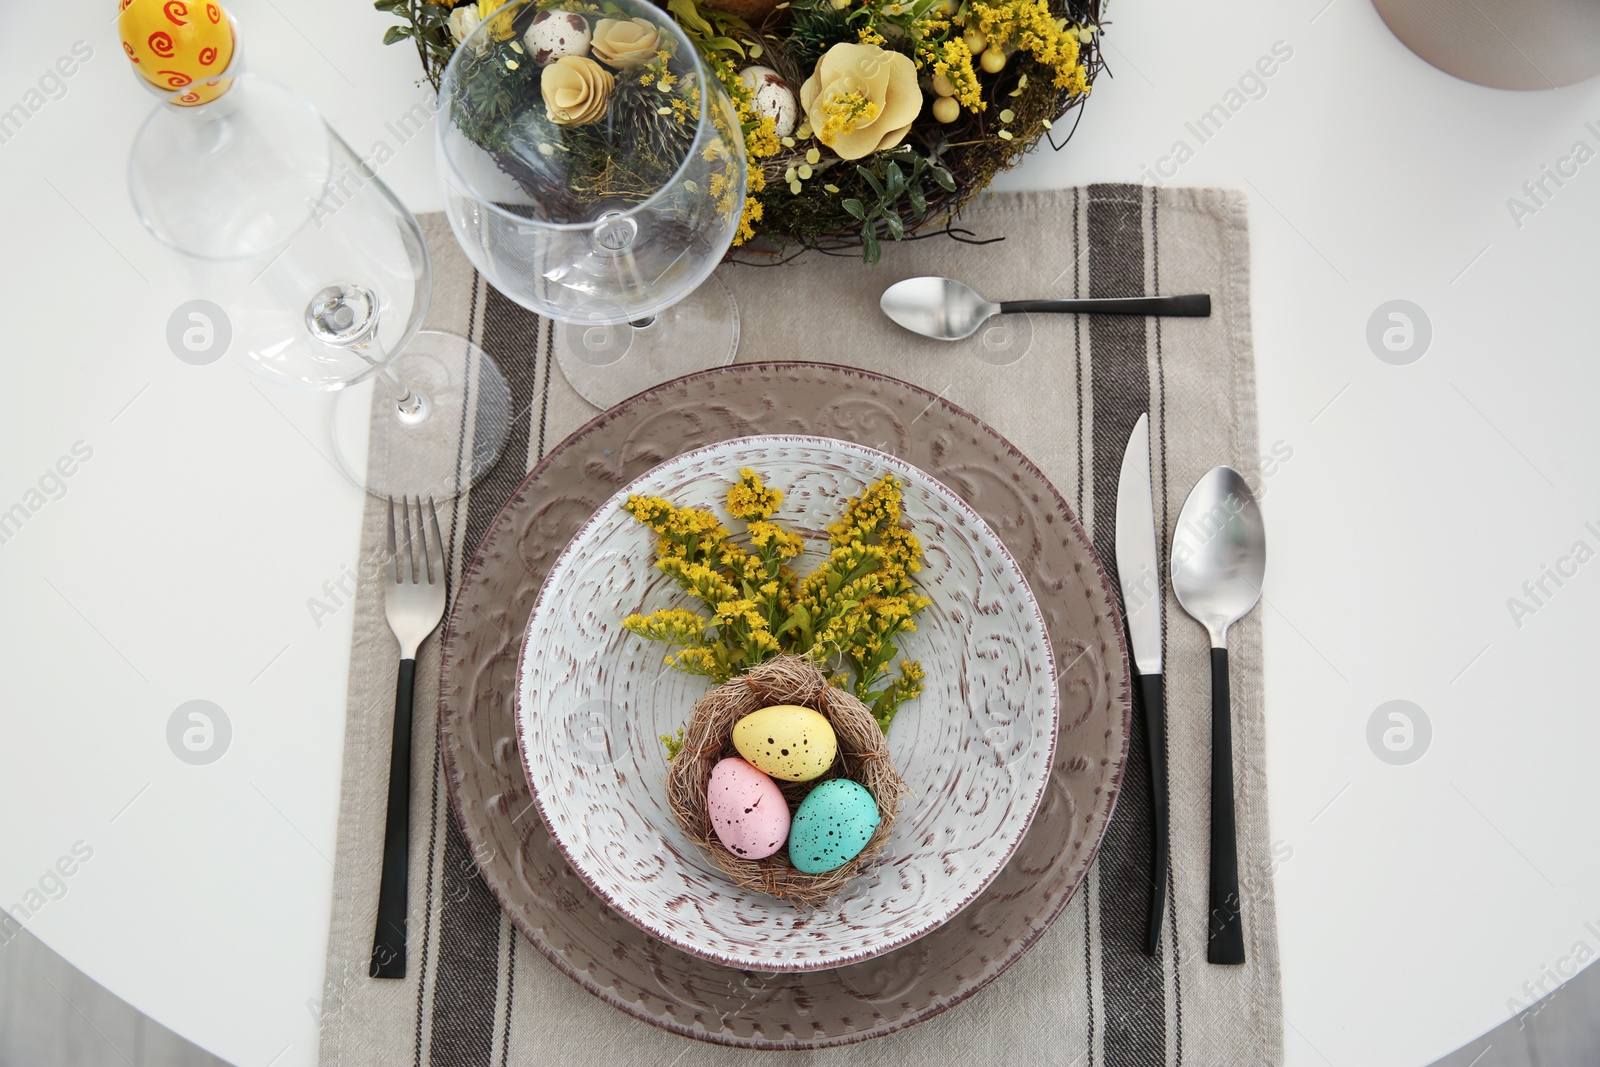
(1066, 390)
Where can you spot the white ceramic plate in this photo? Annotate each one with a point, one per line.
(975, 748)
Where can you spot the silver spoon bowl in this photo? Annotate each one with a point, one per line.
(1219, 552)
(946, 310)
(1219, 555)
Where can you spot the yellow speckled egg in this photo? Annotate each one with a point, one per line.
(177, 44)
(786, 741)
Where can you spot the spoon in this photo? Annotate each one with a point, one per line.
(946, 310)
(1219, 553)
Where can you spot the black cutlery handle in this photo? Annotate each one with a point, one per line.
(1226, 943)
(389, 939)
(1151, 689)
(1190, 305)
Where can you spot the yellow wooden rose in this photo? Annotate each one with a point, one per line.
(625, 43)
(575, 90)
(861, 99)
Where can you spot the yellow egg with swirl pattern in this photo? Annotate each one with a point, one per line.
(178, 45)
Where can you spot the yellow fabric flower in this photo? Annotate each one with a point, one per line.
(861, 99)
(626, 43)
(575, 90)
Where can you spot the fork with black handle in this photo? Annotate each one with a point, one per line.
(414, 603)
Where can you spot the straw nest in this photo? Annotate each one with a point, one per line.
(863, 757)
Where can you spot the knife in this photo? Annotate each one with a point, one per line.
(1140, 579)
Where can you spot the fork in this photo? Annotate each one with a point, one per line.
(414, 603)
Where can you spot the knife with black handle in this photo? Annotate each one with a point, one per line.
(1140, 579)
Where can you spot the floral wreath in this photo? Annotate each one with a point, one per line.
(905, 109)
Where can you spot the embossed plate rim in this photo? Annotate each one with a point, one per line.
(986, 537)
(632, 1000)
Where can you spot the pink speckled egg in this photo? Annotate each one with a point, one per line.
(747, 810)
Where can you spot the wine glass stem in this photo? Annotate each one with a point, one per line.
(401, 391)
(209, 128)
(347, 315)
(410, 406)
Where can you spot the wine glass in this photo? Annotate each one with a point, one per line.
(594, 172)
(324, 277)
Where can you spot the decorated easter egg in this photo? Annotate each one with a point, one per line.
(553, 34)
(771, 97)
(832, 825)
(787, 741)
(747, 811)
(177, 45)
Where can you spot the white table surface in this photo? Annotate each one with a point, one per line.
(178, 562)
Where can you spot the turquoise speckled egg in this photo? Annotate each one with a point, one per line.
(832, 825)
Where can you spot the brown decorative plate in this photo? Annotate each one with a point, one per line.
(617, 961)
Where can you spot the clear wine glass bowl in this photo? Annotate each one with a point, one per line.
(593, 168)
(324, 279)
(324, 274)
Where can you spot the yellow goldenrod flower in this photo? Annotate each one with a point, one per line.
(751, 499)
(843, 113)
(845, 614)
(955, 62)
(677, 626)
(1030, 26)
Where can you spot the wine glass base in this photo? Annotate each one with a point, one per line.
(608, 364)
(443, 438)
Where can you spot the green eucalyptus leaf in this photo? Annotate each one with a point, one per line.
(871, 179)
(395, 34)
(897, 181)
(853, 206)
(870, 250)
(897, 228)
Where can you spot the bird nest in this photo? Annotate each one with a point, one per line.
(863, 757)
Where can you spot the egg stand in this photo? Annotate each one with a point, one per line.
(343, 315)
